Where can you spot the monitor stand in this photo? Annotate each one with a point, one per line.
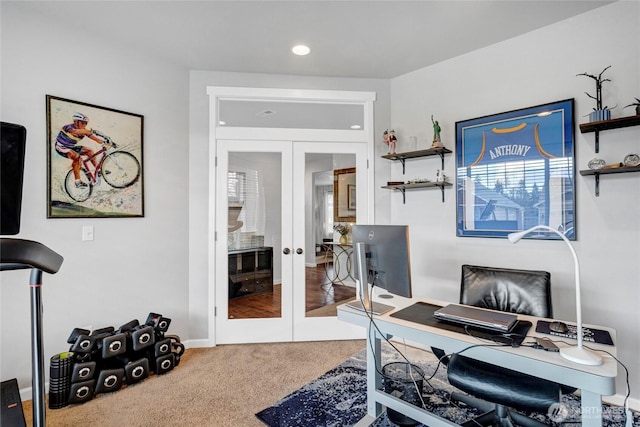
(372, 307)
(365, 303)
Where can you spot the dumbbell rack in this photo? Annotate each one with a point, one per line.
(106, 359)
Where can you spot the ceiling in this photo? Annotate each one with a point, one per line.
(364, 39)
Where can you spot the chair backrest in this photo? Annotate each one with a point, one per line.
(516, 291)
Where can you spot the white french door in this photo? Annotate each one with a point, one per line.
(264, 248)
(306, 325)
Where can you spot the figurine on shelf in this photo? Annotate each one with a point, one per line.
(437, 143)
(385, 139)
(596, 163)
(392, 141)
(631, 160)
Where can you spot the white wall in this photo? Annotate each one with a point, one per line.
(532, 69)
(134, 266)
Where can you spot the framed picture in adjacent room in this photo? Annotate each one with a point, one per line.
(94, 161)
(351, 202)
(516, 170)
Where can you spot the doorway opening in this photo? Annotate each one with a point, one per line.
(275, 266)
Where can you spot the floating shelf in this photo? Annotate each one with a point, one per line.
(403, 187)
(401, 157)
(598, 172)
(596, 127)
(622, 122)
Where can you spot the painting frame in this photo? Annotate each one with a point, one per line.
(515, 170)
(351, 196)
(341, 200)
(108, 182)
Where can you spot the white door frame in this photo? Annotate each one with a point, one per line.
(216, 94)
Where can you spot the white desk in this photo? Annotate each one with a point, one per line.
(593, 381)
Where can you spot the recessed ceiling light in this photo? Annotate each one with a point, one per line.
(300, 50)
(355, 127)
(222, 123)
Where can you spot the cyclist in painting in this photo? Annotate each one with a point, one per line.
(68, 144)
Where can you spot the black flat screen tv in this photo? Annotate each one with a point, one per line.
(12, 147)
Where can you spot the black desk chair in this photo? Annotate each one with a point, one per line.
(18, 254)
(492, 388)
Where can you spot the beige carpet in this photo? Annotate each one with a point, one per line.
(220, 386)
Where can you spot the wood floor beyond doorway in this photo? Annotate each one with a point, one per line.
(321, 298)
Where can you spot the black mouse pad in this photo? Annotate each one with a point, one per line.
(422, 313)
(588, 334)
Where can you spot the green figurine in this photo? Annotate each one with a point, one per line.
(437, 143)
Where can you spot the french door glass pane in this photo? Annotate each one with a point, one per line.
(254, 197)
(328, 269)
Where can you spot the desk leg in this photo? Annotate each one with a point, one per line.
(591, 406)
(374, 356)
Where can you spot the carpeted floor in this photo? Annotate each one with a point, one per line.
(338, 398)
(223, 386)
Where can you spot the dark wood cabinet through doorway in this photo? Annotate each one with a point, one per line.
(250, 271)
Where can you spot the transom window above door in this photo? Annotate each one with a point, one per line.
(288, 115)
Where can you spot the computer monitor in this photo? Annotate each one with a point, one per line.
(12, 148)
(382, 257)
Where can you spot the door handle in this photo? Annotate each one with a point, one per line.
(299, 251)
(286, 251)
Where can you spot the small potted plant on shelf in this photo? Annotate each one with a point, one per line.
(343, 231)
(599, 113)
(637, 105)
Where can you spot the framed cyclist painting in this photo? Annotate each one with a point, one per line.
(94, 161)
(516, 170)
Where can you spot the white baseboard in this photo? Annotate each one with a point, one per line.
(27, 392)
(618, 400)
(201, 343)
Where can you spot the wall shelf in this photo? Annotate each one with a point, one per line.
(596, 127)
(404, 187)
(401, 157)
(598, 172)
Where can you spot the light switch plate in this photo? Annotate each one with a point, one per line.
(87, 232)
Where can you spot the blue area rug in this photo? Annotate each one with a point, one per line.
(339, 399)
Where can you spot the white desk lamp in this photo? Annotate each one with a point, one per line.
(577, 354)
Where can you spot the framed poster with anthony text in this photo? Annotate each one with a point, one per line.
(516, 170)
